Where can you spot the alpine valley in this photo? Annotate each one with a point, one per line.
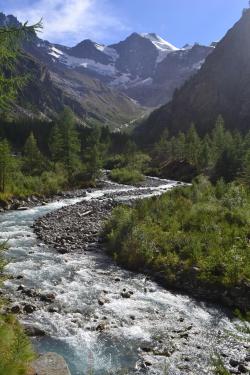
(124, 201)
(110, 85)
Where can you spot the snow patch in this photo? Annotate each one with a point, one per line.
(108, 51)
(55, 52)
(163, 47)
(73, 62)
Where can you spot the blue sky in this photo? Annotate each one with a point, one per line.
(109, 21)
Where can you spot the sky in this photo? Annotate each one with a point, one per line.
(108, 21)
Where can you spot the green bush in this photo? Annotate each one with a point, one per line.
(126, 176)
(16, 352)
(198, 227)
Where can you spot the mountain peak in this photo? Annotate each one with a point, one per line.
(8, 20)
(159, 42)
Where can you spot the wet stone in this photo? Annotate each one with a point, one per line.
(243, 369)
(49, 297)
(29, 309)
(16, 309)
(233, 362)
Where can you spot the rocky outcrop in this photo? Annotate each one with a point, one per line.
(50, 364)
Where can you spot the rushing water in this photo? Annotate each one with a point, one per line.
(105, 339)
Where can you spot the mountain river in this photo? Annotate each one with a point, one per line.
(155, 331)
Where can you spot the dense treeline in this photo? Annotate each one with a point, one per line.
(218, 154)
(44, 160)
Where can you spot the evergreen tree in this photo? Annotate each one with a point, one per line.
(33, 163)
(56, 144)
(179, 147)
(205, 155)
(92, 155)
(192, 145)
(218, 137)
(246, 169)
(64, 142)
(228, 164)
(10, 82)
(6, 165)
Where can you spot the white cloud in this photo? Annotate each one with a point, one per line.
(70, 21)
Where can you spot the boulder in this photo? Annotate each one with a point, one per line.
(50, 364)
(29, 309)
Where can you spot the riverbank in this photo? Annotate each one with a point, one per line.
(77, 302)
(24, 203)
(79, 228)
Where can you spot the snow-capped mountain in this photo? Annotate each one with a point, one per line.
(142, 70)
(143, 66)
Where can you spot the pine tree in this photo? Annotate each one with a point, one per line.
(205, 155)
(56, 144)
(64, 142)
(192, 145)
(6, 165)
(218, 137)
(179, 147)
(34, 162)
(92, 155)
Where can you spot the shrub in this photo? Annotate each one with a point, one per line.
(15, 349)
(186, 228)
(126, 176)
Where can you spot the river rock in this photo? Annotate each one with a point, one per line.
(15, 309)
(29, 309)
(233, 362)
(21, 288)
(48, 297)
(126, 294)
(102, 301)
(33, 330)
(22, 208)
(50, 364)
(243, 369)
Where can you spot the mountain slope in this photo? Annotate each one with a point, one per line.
(222, 86)
(52, 86)
(136, 66)
(108, 84)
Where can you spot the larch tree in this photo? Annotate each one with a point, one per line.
(33, 161)
(64, 142)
